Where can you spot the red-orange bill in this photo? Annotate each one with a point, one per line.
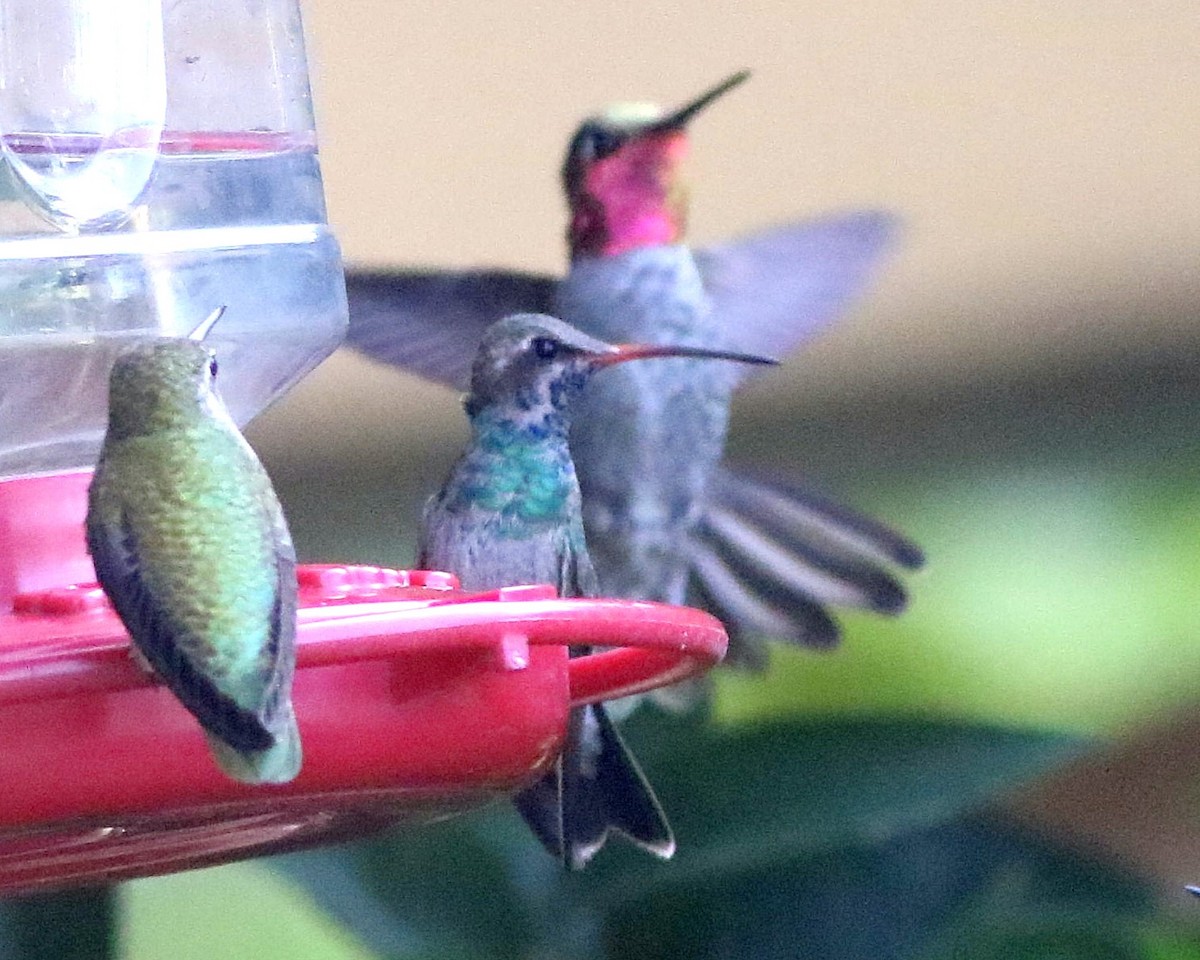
(645, 351)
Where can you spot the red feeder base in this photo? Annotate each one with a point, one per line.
(415, 700)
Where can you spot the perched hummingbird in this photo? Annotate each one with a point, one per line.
(509, 513)
(664, 521)
(191, 546)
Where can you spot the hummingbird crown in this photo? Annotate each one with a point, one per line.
(531, 366)
(155, 385)
(622, 176)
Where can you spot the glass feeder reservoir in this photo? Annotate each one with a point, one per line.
(159, 160)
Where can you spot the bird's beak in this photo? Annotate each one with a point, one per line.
(646, 351)
(206, 325)
(683, 116)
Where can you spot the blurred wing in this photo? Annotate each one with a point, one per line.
(430, 322)
(768, 559)
(776, 288)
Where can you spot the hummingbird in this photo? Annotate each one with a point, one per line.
(665, 520)
(509, 513)
(191, 546)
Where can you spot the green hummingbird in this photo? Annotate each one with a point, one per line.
(509, 513)
(191, 546)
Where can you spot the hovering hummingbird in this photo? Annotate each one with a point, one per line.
(191, 546)
(510, 513)
(664, 520)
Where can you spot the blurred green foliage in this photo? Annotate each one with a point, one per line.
(244, 910)
(850, 804)
(1052, 599)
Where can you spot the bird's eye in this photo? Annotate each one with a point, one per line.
(212, 366)
(603, 142)
(594, 142)
(545, 348)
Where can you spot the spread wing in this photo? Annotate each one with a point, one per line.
(769, 558)
(776, 288)
(430, 322)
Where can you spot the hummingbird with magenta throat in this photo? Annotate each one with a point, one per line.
(191, 546)
(510, 513)
(665, 521)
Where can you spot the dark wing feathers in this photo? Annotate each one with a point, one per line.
(430, 322)
(768, 558)
(805, 516)
(748, 601)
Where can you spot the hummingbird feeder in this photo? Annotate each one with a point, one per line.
(159, 159)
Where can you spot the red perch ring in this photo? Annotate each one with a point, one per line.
(414, 698)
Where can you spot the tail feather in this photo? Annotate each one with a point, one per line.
(596, 787)
(767, 559)
(540, 806)
(278, 763)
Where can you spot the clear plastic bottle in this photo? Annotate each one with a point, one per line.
(158, 161)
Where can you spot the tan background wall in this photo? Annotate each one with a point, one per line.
(1045, 157)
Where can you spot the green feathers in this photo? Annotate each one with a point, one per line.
(512, 472)
(191, 546)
